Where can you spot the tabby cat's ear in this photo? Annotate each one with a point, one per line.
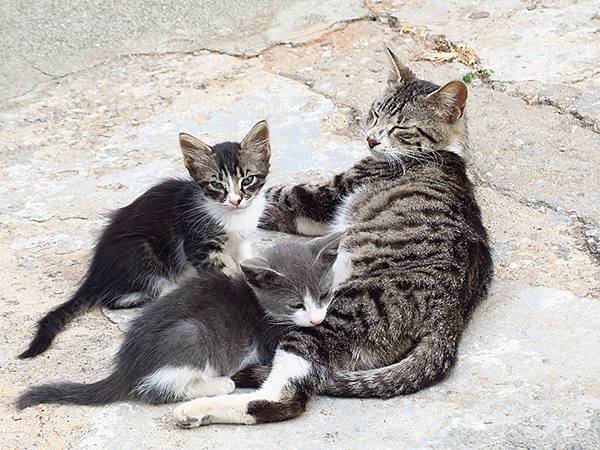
(326, 248)
(450, 100)
(195, 152)
(256, 143)
(400, 73)
(258, 273)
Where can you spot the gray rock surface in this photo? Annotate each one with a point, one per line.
(49, 40)
(104, 127)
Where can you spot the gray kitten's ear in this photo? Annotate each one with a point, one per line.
(194, 151)
(256, 143)
(450, 100)
(325, 248)
(400, 73)
(258, 273)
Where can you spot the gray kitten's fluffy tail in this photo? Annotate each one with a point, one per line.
(108, 390)
(427, 363)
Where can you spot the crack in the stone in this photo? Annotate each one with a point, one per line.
(586, 122)
(584, 78)
(34, 67)
(333, 27)
(353, 113)
(583, 229)
(110, 319)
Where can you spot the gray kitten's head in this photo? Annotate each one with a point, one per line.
(230, 174)
(414, 117)
(293, 279)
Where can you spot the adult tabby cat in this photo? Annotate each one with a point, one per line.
(415, 258)
(173, 226)
(189, 342)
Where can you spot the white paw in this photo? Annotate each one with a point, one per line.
(191, 414)
(204, 411)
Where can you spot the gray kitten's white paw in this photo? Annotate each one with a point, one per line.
(210, 387)
(226, 386)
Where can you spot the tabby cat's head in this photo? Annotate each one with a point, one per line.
(293, 279)
(414, 117)
(230, 174)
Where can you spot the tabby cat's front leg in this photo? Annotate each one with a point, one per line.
(306, 209)
(283, 395)
(311, 208)
(252, 376)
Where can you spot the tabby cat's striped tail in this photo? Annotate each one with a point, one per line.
(426, 364)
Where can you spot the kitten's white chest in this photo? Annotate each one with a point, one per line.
(240, 227)
(241, 220)
(238, 246)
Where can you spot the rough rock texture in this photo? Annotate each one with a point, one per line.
(83, 143)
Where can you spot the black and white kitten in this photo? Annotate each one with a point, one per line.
(189, 342)
(173, 226)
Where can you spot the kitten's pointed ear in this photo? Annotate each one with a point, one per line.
(194, 151)
(256, 143)
(400, 73)
(258, 273)
(450, 100)
(325, 248)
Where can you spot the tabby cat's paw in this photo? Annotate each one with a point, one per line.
(189, 415)
(207, 410)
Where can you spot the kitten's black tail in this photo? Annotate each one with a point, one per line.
(108, 390)
(56, 320)
(426, 364)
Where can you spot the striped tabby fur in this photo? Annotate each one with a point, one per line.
(420, 263)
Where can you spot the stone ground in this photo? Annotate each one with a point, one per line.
(93, 97)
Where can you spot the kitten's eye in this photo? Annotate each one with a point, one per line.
(298, 306)
(248, 180)
(216, 185)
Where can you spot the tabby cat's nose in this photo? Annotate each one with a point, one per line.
(235, 201)
(316, 321)
(372, 141)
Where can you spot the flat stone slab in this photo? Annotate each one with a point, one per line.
(78, 147)
(68, 39)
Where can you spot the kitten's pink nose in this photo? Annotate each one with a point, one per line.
(372, 142)
(235, 201)
(316, 321)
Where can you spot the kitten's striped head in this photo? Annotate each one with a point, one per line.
(230, 174)
(416, 118)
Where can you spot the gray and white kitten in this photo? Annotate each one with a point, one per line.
(189, 342)
(176, 225)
